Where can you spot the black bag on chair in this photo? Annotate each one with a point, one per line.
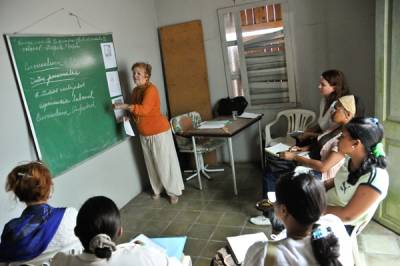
(225, 106)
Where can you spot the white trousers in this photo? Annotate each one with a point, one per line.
(162, 163)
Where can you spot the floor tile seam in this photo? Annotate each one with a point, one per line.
(202, 257)
(169, 223)
(216, 227)
(243, 226)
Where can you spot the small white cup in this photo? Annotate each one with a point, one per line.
(271, 196)
(234, 115)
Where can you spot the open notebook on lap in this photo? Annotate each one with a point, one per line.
(240, 244)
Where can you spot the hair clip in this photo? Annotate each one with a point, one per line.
(320, 232)
(21, 175)
(375, 120)
(378, 150)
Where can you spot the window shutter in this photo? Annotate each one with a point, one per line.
(266, 69)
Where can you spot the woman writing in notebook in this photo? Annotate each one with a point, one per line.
(155, 135)
(98, 225)
(325, 160)
(309, 238)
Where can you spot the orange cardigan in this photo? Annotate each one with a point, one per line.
(148, 117)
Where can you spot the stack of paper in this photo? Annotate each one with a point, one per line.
(249, 115)
(213, 124)
(240, 244)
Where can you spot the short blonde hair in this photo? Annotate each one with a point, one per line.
(145, 66)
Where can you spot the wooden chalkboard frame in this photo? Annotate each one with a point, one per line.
(99, 139)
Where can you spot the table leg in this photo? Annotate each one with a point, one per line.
(197, 162)
(261, 144)
(232, 165)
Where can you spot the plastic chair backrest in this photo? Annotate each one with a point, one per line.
(182, 122)
(298, 119)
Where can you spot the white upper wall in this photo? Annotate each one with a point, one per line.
(118, 172)
(326, 34)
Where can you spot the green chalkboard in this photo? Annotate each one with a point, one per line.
(64, 90)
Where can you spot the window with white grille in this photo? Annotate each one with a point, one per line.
(257, 53)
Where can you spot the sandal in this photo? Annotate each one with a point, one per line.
(264, 205)
(173, 199)
(155, 196)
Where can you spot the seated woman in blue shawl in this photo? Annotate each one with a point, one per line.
(41, 229)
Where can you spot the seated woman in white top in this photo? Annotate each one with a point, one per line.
(309, 239)
(41, 230)
(355, 194)
(98, 225)
(324, 158)
(332, 86)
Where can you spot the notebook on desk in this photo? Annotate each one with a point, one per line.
(213, 124)
(240, 244)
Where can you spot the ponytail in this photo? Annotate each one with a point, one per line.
(325, 246)
(102, 246)
(370, 132)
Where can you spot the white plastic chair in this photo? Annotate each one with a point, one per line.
(356, 231)
(297, 119)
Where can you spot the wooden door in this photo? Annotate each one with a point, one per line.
(387, 103)
(185, 71)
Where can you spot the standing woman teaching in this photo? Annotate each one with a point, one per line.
(155, 135)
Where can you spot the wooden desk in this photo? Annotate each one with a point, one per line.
(227, 132)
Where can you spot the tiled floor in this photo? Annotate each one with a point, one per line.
(207, 217)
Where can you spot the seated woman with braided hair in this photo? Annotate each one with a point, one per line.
(354, 195)
(309, 238)
(97, 226)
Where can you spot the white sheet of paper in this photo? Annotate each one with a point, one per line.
(128, 128)
(213, 124)
(108, 52)
(248, 115)
(271, 196)
(147, 241)
(280, 147)
(114, 87)
(119, 114)
(240, 244)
